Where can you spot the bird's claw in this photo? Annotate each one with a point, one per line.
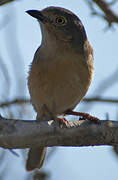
(62, 121)
(84, 116)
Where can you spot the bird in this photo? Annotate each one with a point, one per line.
(61, 71)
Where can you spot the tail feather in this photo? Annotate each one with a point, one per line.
(36, 158)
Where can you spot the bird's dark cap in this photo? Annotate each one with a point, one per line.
(37, 14)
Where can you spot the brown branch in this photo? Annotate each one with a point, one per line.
(109, 15)
(2, 2)
(25, 134)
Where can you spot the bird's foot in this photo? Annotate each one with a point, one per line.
(62, 121)
(84, 116)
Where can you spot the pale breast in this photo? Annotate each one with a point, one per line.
(60, 85)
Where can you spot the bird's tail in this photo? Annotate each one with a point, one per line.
(36, 158)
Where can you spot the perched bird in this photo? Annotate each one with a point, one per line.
(61, 71)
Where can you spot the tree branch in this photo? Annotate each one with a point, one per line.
(24, 101)
(102, 100)
(109, 15)
(15, 101)
(2, 2)
(25, 134)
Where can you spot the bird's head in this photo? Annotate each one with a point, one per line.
(60, 24)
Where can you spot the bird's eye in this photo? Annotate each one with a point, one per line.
(60, 21)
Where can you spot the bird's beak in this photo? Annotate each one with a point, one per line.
(38, 15)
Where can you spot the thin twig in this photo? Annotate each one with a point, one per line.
(19, 101)
(2, 2)
(102, 100)
(109, 15)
